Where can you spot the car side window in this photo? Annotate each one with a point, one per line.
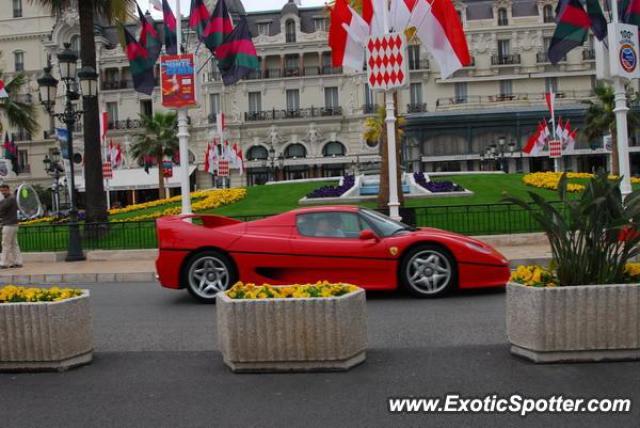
(330, 225)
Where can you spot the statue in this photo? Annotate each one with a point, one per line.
(313, 135)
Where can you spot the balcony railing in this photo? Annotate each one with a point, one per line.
(21, 136)
(292, 114)
(290, 37)
(276, 73)
(521, 98)
(589, 54)
(291, 72)
(125, 124)
(543, 58)
(512, 59)
(418, 64)
(503, 22)
(369, 108)
(110, 85)
(417, 108)
(549, 19)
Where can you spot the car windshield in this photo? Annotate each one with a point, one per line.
(383, 225)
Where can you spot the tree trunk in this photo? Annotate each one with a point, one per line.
(96, 209)
(615, 163)
(161, 189)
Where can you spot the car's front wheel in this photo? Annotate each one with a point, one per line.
(428, 271)
(208, 273)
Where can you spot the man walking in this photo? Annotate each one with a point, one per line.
(11, 256)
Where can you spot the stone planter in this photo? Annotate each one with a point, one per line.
(580, 323)
(46, 335)
(312, 334)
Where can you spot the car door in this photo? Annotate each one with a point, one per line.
(327, 246)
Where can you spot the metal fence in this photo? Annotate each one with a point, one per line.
(477, 219)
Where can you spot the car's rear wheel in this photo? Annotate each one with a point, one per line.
(428, 271)
(208, 273)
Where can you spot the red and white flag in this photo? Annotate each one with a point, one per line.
(439, 28)
(104, 126)
(559, 130)
(372, 13)
(115, 155)
(571, 141)
(347, 35)
(536, 142)
(237, 159)
(400, 13)
(3, 90)
(550, 98)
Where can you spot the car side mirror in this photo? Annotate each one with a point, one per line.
(368, 234)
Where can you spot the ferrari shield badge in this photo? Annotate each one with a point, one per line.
(393, 251)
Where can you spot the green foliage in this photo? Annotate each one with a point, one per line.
(594, 236)
(18, 113)
(160, 136)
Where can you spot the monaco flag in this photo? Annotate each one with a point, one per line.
(536, 142)
(347, 35)
(400, 13)
(438, 27)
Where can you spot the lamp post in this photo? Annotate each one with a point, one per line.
(68, 61)
(54, 168)
(498, 153)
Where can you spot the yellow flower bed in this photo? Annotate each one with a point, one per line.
(320, 289)
(206, 200)
(538, 276)
(534, 276)
(13, 294)
(549, 180)
(37, 221)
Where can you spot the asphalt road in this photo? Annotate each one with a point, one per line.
(156, 365)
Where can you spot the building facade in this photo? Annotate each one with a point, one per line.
(300, 117)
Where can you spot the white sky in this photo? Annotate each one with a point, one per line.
(249, 5)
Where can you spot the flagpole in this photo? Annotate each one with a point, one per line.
(183, 131)
(390, 120)
(622, 137)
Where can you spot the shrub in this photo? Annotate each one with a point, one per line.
(593, 237)
(348, 182)
(321, 289)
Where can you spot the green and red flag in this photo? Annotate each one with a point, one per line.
(170, 29)
(139, 64)
(630, 11)
(571, 29)
(237, 56)
(598, 21)
(199, 18)
(149, 38)
(220, 25)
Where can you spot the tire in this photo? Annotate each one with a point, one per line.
(217, 273)
(428, 271)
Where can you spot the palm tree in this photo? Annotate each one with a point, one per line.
(18, 113)
(160, 139)
(375, 129)
(600, 119)
(112, 10)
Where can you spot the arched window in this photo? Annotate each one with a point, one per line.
(295, 151)
(547, 13)
(333, 148)
(502, 16)
(257, 153)
(18, 60)
(290, 31)
(75, 44)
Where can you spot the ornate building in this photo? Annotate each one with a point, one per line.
(299, 117)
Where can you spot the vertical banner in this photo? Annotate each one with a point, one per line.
(623, 50)
(178, 81)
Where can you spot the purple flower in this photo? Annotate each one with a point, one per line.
(334, 191)
(436, 186)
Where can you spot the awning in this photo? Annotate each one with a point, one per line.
(137, 179)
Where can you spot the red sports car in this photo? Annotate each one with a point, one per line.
(334, 243)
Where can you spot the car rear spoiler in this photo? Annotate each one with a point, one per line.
(208, 220)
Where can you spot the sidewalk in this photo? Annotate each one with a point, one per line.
(139, 266)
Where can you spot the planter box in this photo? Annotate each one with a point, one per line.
(270, 335)
(580, 323)
(46, 335)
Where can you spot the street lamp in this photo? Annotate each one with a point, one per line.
(68, 61)
(272, 159)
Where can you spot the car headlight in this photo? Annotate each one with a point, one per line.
(479, 248)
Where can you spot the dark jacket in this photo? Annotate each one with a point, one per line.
(9, 211)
